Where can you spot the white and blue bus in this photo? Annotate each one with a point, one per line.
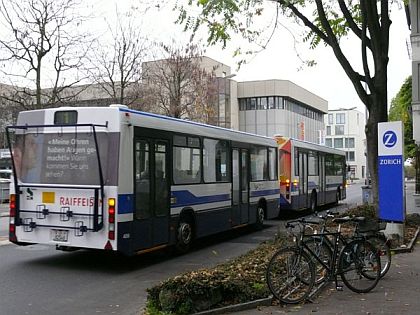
(310, 174)
(118, 179)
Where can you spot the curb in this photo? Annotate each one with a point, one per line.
(238, 307)
(410, 246)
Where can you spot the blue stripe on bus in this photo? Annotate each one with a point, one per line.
(125, 203)
(284, 201)
(312, 185)
(265, 192)
(186, 198)
(333, 185)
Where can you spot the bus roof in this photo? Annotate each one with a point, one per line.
(196, 128)
(310, 145)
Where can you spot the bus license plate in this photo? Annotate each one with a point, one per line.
(60, 235)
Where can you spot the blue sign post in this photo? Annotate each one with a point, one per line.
(391, 171)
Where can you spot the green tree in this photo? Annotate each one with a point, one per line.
(328, 22)
(400, 110)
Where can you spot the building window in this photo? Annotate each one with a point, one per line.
(263, 103)
(253, 103)
(338, 143)
(349, 143)
(279, 102)
(339, 130)
(330, 119)
(328, 142)
(340, 118)
(328, 130)
(350, 156)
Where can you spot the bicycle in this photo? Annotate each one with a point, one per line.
(291, 271)
(364, 228)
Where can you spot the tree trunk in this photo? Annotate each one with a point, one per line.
(377, 113)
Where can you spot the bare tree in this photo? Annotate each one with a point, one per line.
(116, 67)
(178, 84)
(42, 50)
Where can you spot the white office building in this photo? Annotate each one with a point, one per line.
(280, 107)
(345, 130)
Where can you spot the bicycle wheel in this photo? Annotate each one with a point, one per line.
(322, 250)
(359, 266)
(290, 275)
(384, 252)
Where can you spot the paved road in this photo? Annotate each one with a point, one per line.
(38, 279)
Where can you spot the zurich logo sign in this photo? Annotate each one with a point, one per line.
(389, 139)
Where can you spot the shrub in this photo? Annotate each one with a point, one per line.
(236, 281)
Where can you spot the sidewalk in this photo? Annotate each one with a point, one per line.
(397, 293)
(4, 209)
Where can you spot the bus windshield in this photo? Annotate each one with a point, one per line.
(59, 158)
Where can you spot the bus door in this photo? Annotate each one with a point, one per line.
(303, 180)
(152, 197)
(321, 194)
(240, 190)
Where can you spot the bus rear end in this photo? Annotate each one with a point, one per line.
(63, 190)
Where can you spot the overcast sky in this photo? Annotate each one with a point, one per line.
(280, 60)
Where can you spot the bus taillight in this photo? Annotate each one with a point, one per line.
(287, 188)
(12, 226)
(111, 218)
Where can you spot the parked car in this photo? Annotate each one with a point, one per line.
(5, 175)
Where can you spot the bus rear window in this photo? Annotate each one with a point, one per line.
(68, 117)
(60, 158)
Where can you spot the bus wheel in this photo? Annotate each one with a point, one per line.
(184, 236)
(313, 201)
(259, 224)
(337, 196)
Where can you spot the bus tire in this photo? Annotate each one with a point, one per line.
(337, 196)
(313, 204)
(185, 234)
(259, 223)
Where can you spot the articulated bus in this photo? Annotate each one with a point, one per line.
(311, 175)
(118, 179)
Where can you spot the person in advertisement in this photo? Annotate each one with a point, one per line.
(26, 157)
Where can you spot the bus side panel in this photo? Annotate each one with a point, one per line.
(211, 204)
(213, 221)
(268, 191)
(125, 190)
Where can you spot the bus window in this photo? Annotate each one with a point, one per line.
(272, 165)
(339, 165)
(329, 165)
(142, 167)
(215, 155)
(312, 163)
(187, 160)
(259, 164)
(60, 158)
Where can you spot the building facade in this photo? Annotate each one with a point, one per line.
(280, 107)
(345, 130)
(415, 55)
